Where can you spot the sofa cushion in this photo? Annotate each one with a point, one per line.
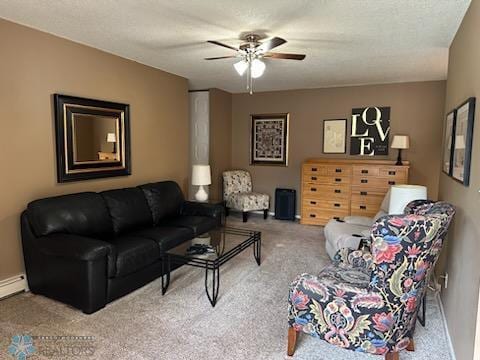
(82, 214)
(165, 199)
(166, 237)
(198, 224)
(133, 253)
(128, 209)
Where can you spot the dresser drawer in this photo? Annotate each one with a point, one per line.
(363, 209)
(321, 217)
(368, 191)
(327, 204)
(363, 171)
(312, 169)
(339, 170)
(367, 199)
(340, 191)
(326, 180)
(393, 172)
(375, 182)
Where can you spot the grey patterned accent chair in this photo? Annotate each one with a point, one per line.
(238, 194)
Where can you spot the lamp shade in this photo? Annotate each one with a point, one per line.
(258, 67)
(401, 142)
(240, 67)
(401, 195)
(201, 175)
(111, 137)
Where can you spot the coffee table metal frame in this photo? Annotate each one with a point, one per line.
(252, 238)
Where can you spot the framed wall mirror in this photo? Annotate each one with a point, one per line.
(92, 138)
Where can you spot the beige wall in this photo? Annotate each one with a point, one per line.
(461, 297)
(220, 138)
(416, 110)
(35, 65)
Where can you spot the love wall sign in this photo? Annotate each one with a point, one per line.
(370, 129)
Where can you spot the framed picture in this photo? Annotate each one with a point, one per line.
(269, 139)
(462, 141)
(370, 131)
(92, 138)
(334, 136)
(447, 143)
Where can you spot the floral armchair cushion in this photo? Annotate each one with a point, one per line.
(370, 303)
(236, 181)
(237, 192)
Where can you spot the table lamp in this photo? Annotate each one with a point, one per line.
(400, 142)
(112, 138)
(200, 177)
(401, 195)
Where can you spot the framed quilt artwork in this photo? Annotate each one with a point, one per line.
(447, 143)
(269, 139)
(462, 141)
(334, 136)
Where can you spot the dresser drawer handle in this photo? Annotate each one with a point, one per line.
(336, 205)
(336, 218)
(338, 170)
(391, 183)
(313, 189)
(363, 207)
(314, 169)
(313, 215)
(313, 178)
(338, 180)
(364, 181)
(313, 202)
(392, 172)
(363, 193)
(364, 171)
(337, 191)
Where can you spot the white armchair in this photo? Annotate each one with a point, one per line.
(348, 233)
(238, 195)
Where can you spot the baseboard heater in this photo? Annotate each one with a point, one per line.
(13, 285)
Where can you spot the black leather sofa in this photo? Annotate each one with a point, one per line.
(88, 249)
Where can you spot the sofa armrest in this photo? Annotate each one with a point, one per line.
(203, 209)
(74, 247)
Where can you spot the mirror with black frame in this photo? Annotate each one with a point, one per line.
(93, 138)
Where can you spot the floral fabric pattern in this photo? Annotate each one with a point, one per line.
(237, 192)
(368, 302)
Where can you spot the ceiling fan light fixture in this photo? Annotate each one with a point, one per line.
(258, 68)
(241, 67)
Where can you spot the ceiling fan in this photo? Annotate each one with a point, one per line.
(251, 53)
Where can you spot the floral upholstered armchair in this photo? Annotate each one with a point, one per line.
(238, 195)
(368, 302)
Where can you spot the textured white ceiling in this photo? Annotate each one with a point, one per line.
(348, 42)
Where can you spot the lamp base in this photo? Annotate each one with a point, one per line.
(201, 195)
(399, 157)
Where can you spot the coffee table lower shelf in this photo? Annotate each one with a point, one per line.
(228, 242)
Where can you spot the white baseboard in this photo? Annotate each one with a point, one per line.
(13, 285)
(444, 319)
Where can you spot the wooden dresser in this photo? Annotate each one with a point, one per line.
(333, 188)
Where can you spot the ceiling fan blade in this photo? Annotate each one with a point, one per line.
(220, 44)
(285, 56)
(270, 44)
(221, 57)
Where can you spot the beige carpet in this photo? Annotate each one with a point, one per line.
(248, 322)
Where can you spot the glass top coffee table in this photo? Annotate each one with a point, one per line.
(224, 243)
